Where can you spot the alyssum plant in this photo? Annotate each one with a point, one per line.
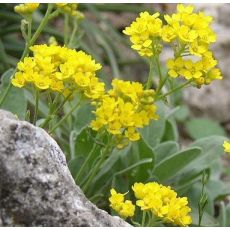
(133, 140)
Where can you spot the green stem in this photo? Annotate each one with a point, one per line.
(73, 34)
(29, 29)
(143, 219)
(65, 117)
(28, 44)
(36, 106)
(53, 112)
(175, 89)
(150, 77)
(66, 29)
(162, 81)
(159, 69)
(96, 168)
(82, 169)
(42, 24)
(161, 85)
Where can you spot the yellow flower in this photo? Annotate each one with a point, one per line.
(132, 134)
(41, 82)
(61, 70)
(213, 74)
(70, 8)
(177, 212)
(182, 9)
(56, 85)
(142, 33)
(207, 35)
(124, 208)
(19, 80)
(198, 48)
(163, 202)
(138, 189)
(226, 146)
(168, 34)
(175, 66)
(116, 200)
(186, 34)
(27, 8)
(127, 209)
(126, 107)
(192, 70)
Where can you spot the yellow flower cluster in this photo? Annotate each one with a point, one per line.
(201, 72)
(61, 70)
(124, 109)
(144, 33)
(70, 8)
(163, 202)
(189, 35)
(192, 34)
(124, 208)
(226, 146)
(26, 8)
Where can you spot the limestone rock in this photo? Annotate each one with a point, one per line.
(36, 187)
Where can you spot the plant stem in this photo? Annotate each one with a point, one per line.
(42, 24)
(28, 44)
(150, 77)
(73, 34)
(96, 168)
(161, 85)
(162, 81)
(66, 29)
(79, 174)
(29, 28)
(52, 113)
(175, 89)
(36, 105)
(143, 219)
(65, 117)
(203, 198)
(159, 69)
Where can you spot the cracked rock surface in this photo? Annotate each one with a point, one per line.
(36, 187)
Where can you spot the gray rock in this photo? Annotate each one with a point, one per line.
(36, 187)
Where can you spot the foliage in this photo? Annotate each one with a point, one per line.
(127, 134)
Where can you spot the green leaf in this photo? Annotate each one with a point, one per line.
(83, 143)
(43, 107)
(153, 133)
(139, 151)
(182, 113)
(15, 101)
(164, 150)
(83, 117)
(211, 151)
(110, 162)
(135, 161)
(75, 164)
(207, 220)
(199, 128)
(217, 189)
(171, 132)
(139, 163)
(174, 164)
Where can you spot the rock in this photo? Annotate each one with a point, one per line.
(36, 187)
